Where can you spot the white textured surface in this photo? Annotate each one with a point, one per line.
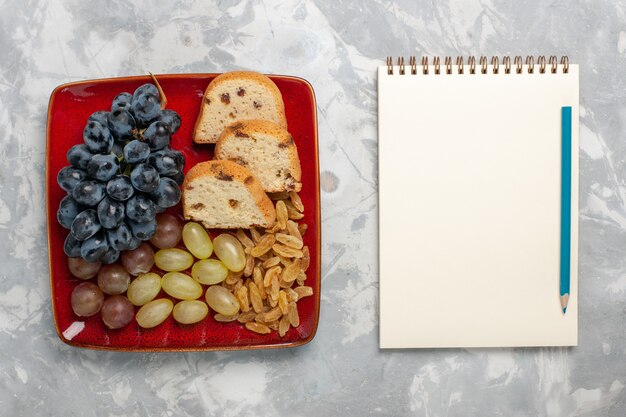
(336, 45)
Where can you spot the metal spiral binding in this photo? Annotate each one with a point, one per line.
(530, 61)
(413, 65)
(518, 64)
(401, 64)
(507, 64)
(552, 63)
(483, 65)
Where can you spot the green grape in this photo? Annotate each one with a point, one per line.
(190, 311)
(173, 259)
(222, 300)
(229, 250)
(197, 240)
(209, 271)
(181, 286)
(154, 313)
(144, 288)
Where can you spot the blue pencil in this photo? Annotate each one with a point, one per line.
(566, 203)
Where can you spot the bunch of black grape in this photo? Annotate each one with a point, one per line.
(120, 177)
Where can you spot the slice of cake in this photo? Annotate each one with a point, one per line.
(235, 96)
(225, 195)
(266, 150)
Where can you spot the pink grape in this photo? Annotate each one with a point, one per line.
(138, 261)
(87, 299)
(169, 231)
(113, 279)
(117, 312)
(82, 269)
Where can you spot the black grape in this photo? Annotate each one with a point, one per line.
(157, 136)
(110, 213)
(143, 231)
(140, 209)
(110, 256)
(120, 237)
(136, 151)
(120, 188)
(134, 242)
(171, 119)
(122, 101)
(97, 137)
(101, 117)
(167, 193)
(144, 178)
(121, 124)
(146, 107)
(85, 225)
(179, 157)
(103, 167)
(147, 88)
(72, 246)
(178, 178)
(68, 210)
(94, 248)
(68, 177)
(165, 162)
(89, 192)
(118, 149)
(79, 156)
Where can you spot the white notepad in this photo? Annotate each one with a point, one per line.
(470, 207)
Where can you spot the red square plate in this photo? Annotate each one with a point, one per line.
(70, 106)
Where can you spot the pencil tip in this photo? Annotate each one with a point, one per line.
(564, 301)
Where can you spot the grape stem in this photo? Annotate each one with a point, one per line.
(161, 92)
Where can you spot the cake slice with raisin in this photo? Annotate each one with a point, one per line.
(236, 96)
(225, 195)
(267, 150)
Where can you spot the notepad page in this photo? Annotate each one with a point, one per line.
(469, 208)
